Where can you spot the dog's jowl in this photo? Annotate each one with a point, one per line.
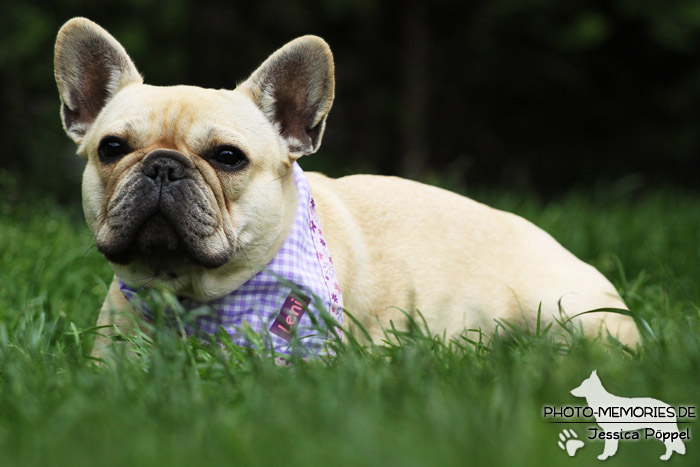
(200, 190)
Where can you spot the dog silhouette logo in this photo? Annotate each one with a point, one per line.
(622, 417)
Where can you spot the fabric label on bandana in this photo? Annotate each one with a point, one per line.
(292, 311)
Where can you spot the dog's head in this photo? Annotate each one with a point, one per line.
(184, 185)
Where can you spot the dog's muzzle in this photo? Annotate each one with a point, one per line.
(161, 213)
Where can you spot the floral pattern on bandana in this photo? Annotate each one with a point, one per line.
(302, 268)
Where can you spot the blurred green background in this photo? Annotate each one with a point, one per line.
(535, 95)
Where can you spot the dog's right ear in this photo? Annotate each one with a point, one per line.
(90, 68)
(294, 88)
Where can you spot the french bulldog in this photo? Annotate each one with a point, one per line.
(191, 188)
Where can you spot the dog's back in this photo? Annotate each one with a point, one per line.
(459, 262)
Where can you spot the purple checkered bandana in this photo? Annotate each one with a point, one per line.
(278, 302)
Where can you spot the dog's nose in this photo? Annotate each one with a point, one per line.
(165, 165)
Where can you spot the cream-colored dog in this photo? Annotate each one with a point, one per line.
(395, 243)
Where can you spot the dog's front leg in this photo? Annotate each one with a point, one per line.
(117, 317)
(609, 449)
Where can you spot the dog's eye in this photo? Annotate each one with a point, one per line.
(112, 148)
(229, 158)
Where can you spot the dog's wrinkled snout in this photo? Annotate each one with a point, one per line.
(165, 166)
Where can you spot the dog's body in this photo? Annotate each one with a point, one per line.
(459, 262)
(190, 187)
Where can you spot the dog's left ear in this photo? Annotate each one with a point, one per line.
(294, 88)
(91, 67)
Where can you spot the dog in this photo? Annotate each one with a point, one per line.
(198, 190)
(614, 425)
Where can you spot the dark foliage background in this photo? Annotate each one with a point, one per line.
(540, 95)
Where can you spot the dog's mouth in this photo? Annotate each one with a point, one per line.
(163, 223)
(160, 245)
(157, 244)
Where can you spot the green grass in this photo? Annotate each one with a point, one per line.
(419, 402)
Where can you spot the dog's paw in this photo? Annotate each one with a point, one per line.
(569, 442)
